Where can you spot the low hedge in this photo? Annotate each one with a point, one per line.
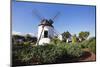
(47, 53)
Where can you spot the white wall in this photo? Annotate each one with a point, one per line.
(50, 33)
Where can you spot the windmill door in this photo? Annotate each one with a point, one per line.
(45, 34)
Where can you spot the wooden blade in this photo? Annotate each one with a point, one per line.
(36, 13)
(55, 16)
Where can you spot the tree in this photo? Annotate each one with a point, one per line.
(74, 39)
(55, 40)
(17, 38)
(29, 38)
(65, 35)
(84, 35)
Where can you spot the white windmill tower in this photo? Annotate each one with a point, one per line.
(46, 29)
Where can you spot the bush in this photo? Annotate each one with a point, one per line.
(74, 39)
(55, 41)
(74, 50)
(47, 53)
(84, 44)
(21, 54)
(26, 43)
(92, 45)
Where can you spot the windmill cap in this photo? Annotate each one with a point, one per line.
(45, 22)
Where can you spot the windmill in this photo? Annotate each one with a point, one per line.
(46, 29)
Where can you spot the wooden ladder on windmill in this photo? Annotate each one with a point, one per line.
(40, 35)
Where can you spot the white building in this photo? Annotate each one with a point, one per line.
(45, 31)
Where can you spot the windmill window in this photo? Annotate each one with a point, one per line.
(45, 34)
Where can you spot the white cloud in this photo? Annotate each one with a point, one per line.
(16, 33)
(32, 34)
(23, 34)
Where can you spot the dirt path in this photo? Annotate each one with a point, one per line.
(88, 56)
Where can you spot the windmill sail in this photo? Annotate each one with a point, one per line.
(37, 14)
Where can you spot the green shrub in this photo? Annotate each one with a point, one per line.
(74, 39)
(47, 53)
(26, 43)
(21, 54)
(92, 45)
(55, 41)
(84, 44)
(74, 50)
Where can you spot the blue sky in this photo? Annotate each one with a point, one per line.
(72, 18)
